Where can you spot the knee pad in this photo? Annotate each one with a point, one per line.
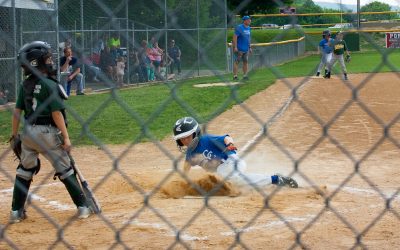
(64, 174)
(27, 174)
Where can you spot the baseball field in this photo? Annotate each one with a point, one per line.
(340, 140)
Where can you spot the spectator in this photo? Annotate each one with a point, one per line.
(144, 62)
(100, 45)
(107, 63)
(93, 69)
(134, 66)
(70, 66)
(114, 43)
(150, 68)
(66, 44)
(174, 55)
(165, 63)
(158, 55)
(120, 70)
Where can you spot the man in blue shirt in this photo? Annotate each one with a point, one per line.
(242, 47)
(70, 69)
(218, 154)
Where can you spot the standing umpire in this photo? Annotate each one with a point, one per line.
(39, 97)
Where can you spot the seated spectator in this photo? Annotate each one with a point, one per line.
(70, 69)
(93, 69)
(174, 54)
(107, 63)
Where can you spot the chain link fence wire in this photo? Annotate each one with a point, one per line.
(200, 30)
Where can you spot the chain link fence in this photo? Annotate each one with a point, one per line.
(339, 139)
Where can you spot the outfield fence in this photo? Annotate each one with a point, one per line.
(200, 29)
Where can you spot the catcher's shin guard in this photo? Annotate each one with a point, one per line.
(20, 193)
(327, 75)
(75, 190)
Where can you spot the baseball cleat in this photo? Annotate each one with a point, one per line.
(245, 78)
(84, 212)
(235, 78)
(17, 216)
(286, 181)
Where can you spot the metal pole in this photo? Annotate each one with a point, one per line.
(15, 49)
(226, 35)
(166, 38)
(341, 12)
(358, 15)
(82, 45)
(127, 41)
(198, 38)
(57, 38)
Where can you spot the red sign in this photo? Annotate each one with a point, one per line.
(393, 40)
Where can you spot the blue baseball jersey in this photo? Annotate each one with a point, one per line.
(210, 151)
(243, 37)
(326, 45)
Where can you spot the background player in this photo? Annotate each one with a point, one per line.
(339, 48)
(218, 154)
(242, 47)
(325, 50)
(39, 99)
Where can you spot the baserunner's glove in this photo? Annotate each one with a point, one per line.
(16, 145)
(347, 58)
(230, 147)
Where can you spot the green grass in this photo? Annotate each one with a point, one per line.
(119, 117)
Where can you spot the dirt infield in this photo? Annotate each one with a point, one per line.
(349, 180)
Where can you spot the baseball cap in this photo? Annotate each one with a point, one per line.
(245, 18)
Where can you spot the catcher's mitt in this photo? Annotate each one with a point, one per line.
(16, 145)
(347, 58)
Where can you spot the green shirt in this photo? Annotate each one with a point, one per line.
(46, 99)
(339, 47)
(114, 42)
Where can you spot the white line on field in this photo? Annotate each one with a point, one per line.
(280, 112)
(367, 192)
(274, 223)
(170, 232)
(54, 204)
(10, 190)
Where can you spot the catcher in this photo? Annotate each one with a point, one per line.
(339, 48)
(40, 98)
(218, 154)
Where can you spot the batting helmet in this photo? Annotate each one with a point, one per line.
(184, 127)
(34, 55)
(326, 33)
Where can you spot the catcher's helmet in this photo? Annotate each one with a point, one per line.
(34, 55)
(184, 127)
(326, 33)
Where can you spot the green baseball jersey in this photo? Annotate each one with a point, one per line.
(339, 47)
(45, 99)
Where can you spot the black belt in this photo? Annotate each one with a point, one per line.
(42, 121)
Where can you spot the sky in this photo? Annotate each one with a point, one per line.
(362, 2)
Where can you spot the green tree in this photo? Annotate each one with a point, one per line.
(249, 7)
(377, 7)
